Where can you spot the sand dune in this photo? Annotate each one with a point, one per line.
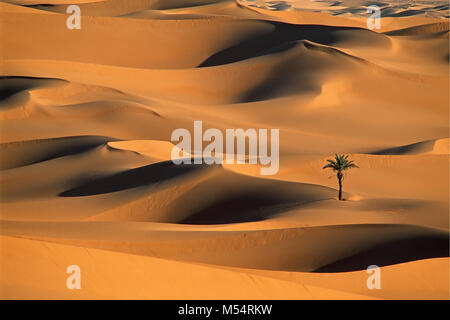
(353, 247)
(86, 175)
(175, 280)
(438, 146)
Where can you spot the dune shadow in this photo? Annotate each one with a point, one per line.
(414, 148)
(245, 207)
(405, 13)
(11, 85)
(413, 248)
(280, 6)
(250, 199)
(284, 82)
(284, 33)
(133, 178)
(18, 154)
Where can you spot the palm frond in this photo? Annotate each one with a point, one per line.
(340, 163)
(329, 165)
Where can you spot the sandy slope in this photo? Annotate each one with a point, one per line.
(86, 178)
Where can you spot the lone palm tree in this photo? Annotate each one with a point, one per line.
(340, 164)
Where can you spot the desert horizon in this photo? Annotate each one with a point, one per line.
(222, 149)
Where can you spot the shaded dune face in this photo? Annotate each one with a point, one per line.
(23, 153)
(86, 118)
(133, 178)
(10, 86)
(284, 34)
(411, 248)
(14, 90)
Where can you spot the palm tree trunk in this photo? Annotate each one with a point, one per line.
(340, 187)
